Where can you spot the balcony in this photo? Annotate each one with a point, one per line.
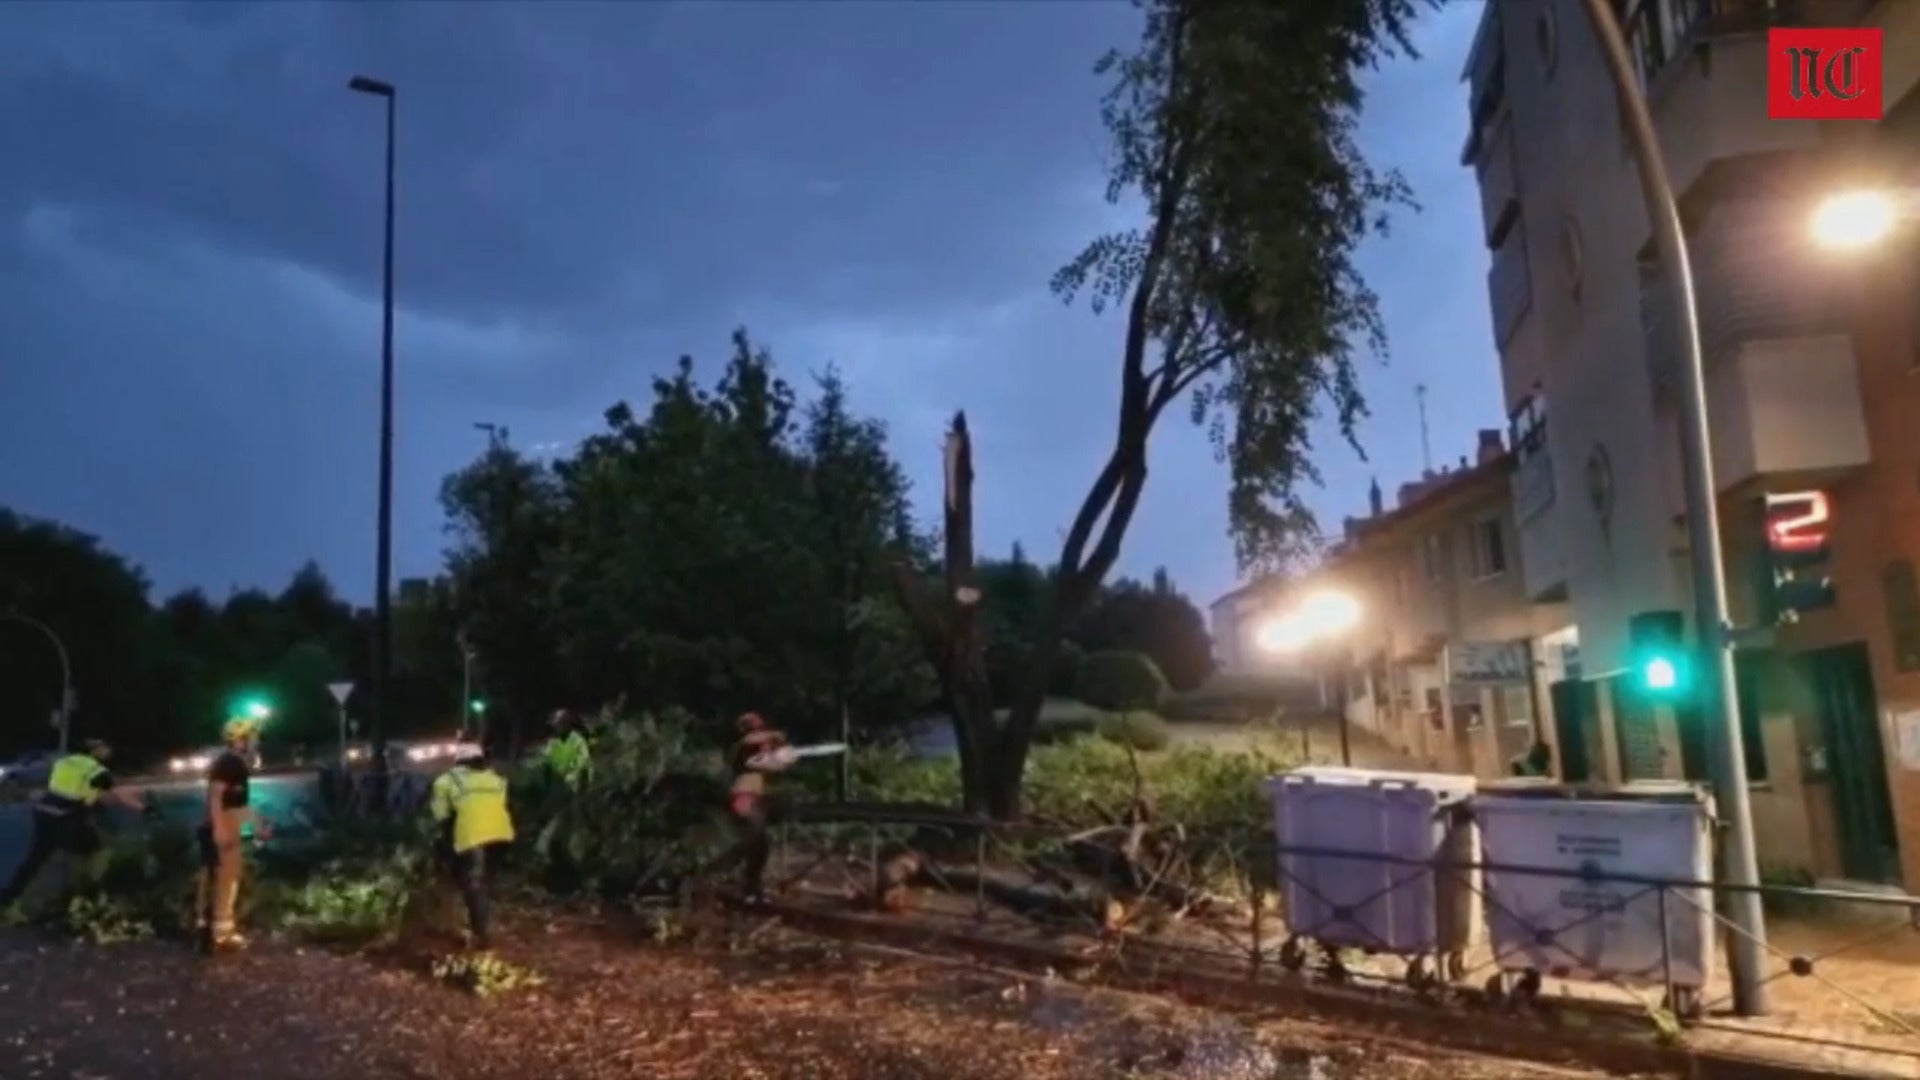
(1510, 283)
(1750, 261)
(1787, 409)
(1499, 193)
(1703, 65)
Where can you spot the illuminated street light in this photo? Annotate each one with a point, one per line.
(1330, 614)
(1855, 220)
(1323, 618)
(1282, 634)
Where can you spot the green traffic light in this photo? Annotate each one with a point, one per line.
(1660, 674)
(253, 708)
(477, 706)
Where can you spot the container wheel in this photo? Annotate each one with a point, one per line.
(1293, 955)
(1335, 970)
(1496, 988)
(1456, 968)
(1418, 976)
(1683, 1002)
(1527, 988)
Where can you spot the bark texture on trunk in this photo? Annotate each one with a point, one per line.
(947, 618)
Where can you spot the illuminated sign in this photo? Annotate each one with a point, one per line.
(1797, 522)
(1799, 528)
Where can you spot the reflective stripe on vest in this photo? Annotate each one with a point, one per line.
(480, 814)
(72, 779)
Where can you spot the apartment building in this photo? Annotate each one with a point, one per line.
(1443, 663)
(1813, 388)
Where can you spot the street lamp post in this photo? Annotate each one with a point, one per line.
(383, 568)
(1740, 866)
(67, 702)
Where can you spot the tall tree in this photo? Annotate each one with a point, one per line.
(95, 604)
(1235, 125)
(502, 512)
(860, 503)
(1155, 619)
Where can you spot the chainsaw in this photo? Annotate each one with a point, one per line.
(785, 757)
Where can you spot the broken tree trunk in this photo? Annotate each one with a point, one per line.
(946, 619)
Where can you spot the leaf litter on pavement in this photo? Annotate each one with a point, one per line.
(753, 1001)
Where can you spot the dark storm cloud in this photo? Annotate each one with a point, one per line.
(600, 163)
(189, 253)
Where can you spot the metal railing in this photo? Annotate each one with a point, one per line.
(1216, 905)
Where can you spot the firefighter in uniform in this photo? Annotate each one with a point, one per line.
(469, 804)
(229, 811)
(64, 815)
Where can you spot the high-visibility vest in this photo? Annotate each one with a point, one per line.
(476, 801)
(71, 782)
(571, 757)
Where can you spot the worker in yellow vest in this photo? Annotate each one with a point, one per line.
(64, 814)
(469, 804)
(568, 753)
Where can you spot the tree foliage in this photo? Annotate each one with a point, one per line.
(155, 680)
(1122, 681)
(1234, 126)
(1153, 619)
(724, 550)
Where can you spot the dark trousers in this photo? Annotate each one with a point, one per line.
(72, 833)
(753, 846)
(469, 870)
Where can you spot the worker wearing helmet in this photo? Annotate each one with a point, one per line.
(229, 811)
(469, 804)
(64, 814)
(747, 797)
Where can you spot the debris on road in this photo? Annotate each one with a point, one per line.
(741, 1002)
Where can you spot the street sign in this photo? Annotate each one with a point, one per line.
(340, 691)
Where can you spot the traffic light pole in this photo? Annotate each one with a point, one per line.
(1740, 868)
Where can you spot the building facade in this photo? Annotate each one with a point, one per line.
(1813, 398)
(1442, 664)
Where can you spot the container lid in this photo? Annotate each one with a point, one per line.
(1344, 774)
(1632, 791)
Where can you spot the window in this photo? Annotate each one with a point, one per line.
(1527, 426)
(1489, 549)
(1433, 557)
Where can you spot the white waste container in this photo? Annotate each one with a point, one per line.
(1356, 850)
(1596, 916)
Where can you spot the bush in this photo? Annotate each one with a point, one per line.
(646, 818)
(1139, 730)
(1121, 682)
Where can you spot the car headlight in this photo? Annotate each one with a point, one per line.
(417, 753)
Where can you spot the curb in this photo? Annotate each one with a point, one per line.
(1542, 1043)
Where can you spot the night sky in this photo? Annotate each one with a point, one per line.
(190, 257)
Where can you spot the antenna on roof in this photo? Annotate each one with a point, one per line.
(1426, 446)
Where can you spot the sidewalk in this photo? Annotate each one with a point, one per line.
(753, 1001)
